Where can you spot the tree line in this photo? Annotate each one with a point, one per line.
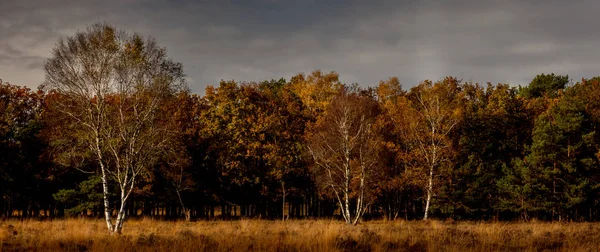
(114, 132)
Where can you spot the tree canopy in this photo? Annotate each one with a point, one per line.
(115, 133)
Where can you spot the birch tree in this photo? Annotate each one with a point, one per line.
(344, 147)
(112, 87)
(435, 111)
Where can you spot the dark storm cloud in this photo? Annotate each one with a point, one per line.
(365, 41)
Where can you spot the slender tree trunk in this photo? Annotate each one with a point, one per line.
(107, 212)
(347, 203)
(397, 206)
(360, 201)
(121, 215)
(429, 191)
(185, 211)
(283, 205)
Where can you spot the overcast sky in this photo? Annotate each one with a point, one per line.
(364, 41)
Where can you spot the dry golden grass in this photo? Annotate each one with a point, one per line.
(321, 235)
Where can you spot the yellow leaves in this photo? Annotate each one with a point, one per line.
(389, 90)
(316, 90)
(210, 91)
(457, 113)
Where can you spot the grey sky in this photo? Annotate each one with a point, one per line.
(364, 41)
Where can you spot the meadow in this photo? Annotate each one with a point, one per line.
(297, 235)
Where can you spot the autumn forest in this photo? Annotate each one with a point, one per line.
(115, 133)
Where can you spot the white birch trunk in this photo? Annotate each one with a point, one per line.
(347, 203)
(121, 214)
(105, 190)
(107, 212)
(429, 191)
(360, 205)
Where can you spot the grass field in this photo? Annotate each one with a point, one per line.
(297, 235)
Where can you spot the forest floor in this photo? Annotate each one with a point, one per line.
(298, 235)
